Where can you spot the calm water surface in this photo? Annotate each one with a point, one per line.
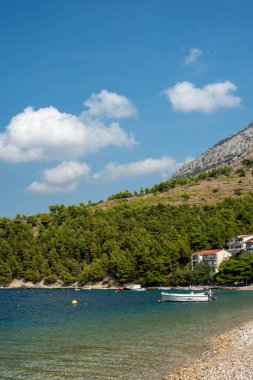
(107, 335)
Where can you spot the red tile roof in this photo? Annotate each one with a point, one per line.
(208, 252)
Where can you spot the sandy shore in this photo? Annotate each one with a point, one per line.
(230, 357)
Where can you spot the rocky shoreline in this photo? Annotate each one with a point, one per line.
(23, 284)
(109, 284)
(230, 357)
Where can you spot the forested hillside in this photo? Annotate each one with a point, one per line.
(127, 242)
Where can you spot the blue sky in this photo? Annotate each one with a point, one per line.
(102, 96)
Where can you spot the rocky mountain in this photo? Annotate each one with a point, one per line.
(226, 152)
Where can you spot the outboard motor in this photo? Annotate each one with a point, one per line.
(210, 295)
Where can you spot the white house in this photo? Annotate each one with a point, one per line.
(238, 243)
(211, 257)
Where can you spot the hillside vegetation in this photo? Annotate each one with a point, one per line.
(146, 240)
(209, 187)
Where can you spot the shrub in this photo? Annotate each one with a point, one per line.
(68, 278)
(237, 191)
(185, 197)
(241, 172)
(248, 162)
(50, 279)
(120, 195)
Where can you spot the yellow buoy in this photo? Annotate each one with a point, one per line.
(74, 302)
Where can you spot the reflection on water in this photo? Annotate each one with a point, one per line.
(107, 335)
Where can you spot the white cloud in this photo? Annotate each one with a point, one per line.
(68, 175)
(109, 105)
(48, 134)
(185, 97)
(192, 56)
(114, 171)
(66, 172)
(63, 178)
(45, 188)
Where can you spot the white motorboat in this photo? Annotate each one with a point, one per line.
(188, 297)
(137, 288)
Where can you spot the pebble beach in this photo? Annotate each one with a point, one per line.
(230, 357)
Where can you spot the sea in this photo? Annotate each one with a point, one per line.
(108, 335)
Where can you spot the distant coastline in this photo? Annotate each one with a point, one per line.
(21, 283)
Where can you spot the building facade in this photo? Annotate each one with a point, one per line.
(211, 257)
(238, 243)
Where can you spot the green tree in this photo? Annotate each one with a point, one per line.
(122, 265)
(237, 269)
(5, 272)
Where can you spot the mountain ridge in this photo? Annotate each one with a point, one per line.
(226, 152)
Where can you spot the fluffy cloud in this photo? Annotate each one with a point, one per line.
(63, 178)
(192, 56)
(109, 105)
(68, 175)
(186, 97)
(45, 188)
(113, 171)
(48, 134)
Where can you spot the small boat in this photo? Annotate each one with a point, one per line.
(136, 288)
(188, 297)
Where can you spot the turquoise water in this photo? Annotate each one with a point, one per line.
(108, 335)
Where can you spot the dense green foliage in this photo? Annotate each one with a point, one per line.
(199, 276)
(129, 242)
(238, 269)
(120, 195)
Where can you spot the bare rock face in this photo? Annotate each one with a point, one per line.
(225, 152)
